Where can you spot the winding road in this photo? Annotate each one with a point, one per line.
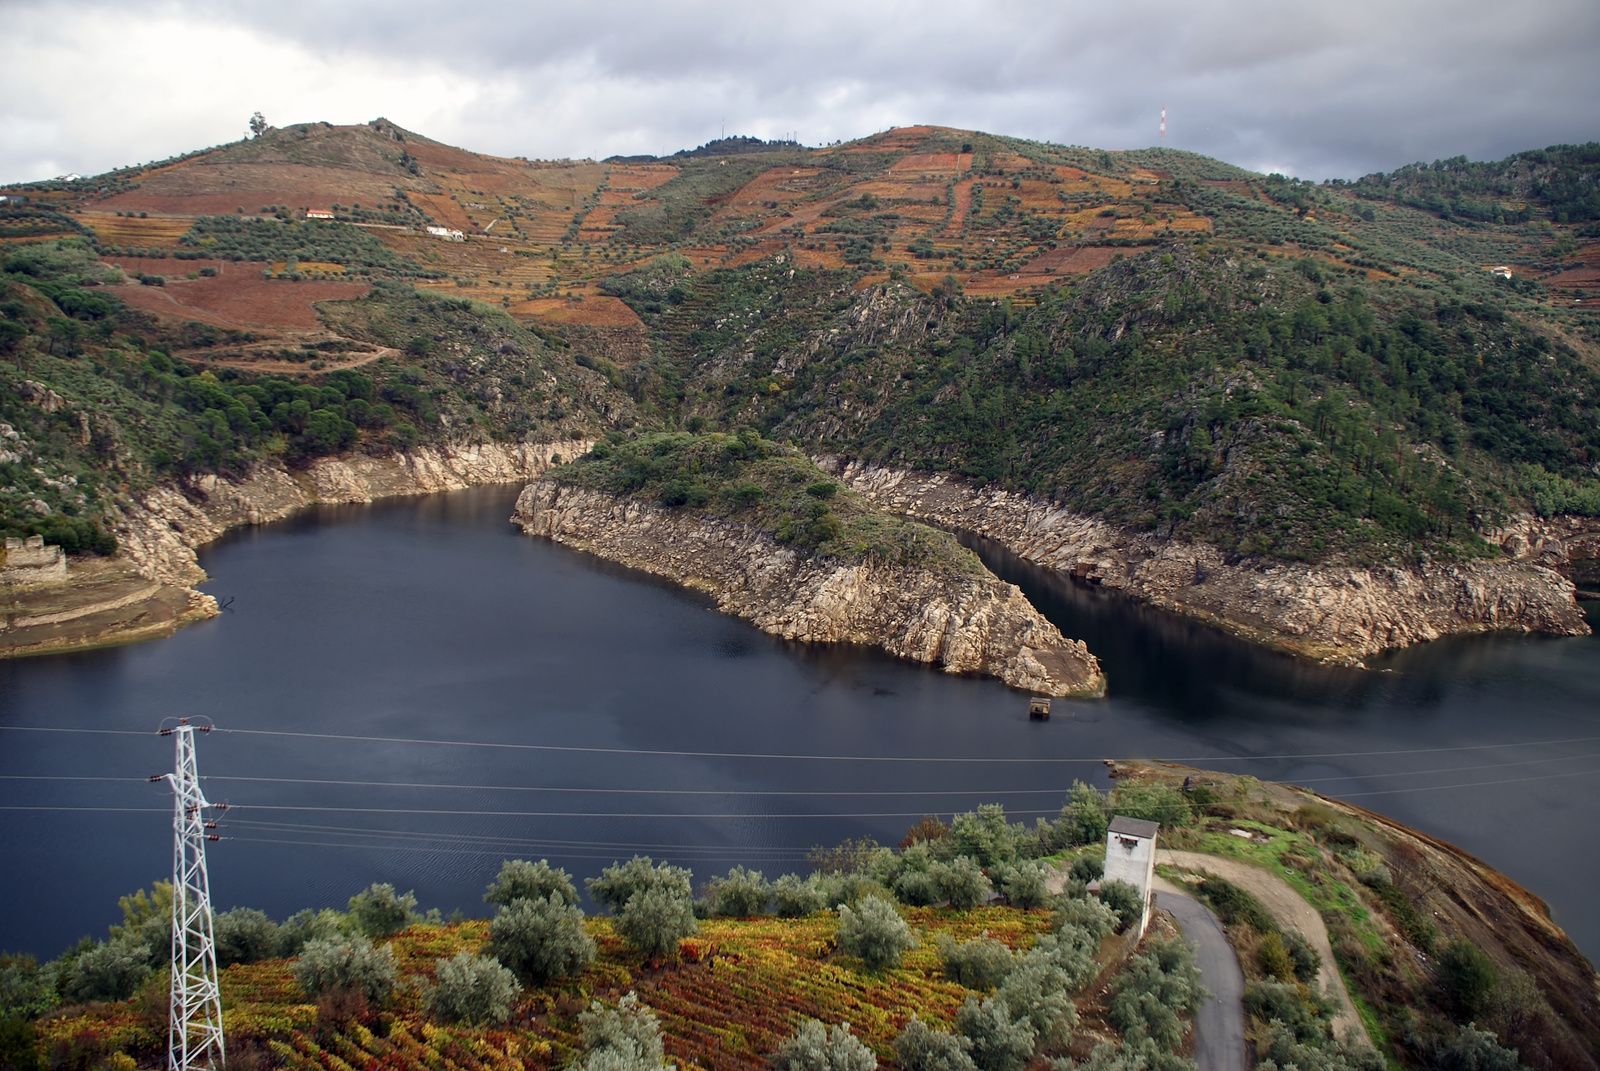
(1219, 1024)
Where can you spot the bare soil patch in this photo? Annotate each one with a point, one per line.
(240, 299)
(591, 312)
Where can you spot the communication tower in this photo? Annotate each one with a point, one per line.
(194, 1034)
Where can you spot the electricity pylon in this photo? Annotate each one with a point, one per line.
(194, 1036)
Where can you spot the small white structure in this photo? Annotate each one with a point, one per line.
(446, 234)
(1502, 271)
(1131, 857)
(318, 213)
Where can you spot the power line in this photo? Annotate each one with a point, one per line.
(648, 791)
(583, 814)
(1469, 784)
(664, 753)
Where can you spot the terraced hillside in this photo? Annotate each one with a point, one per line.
(1397, 372)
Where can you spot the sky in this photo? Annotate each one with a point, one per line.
(1314, 90)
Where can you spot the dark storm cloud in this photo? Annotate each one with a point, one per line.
(1320, 91)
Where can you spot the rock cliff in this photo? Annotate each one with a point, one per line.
(1333, 614)
(159, 530)
(962, 623)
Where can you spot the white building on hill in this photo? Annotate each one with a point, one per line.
(1131, 857)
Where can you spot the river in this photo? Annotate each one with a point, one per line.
(412, 691)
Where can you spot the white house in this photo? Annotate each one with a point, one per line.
(1131, 857)
(1502, 271)
(318, 213)
(447, 234)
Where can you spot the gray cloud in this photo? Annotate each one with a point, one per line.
(1318, 91)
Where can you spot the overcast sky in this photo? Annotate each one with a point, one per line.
(1317, 90)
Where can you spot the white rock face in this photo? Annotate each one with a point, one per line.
(159, 532)
(1335, 614)
(963, 623)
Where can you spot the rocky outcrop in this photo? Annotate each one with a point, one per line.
(159, 530)
(1334, 614)
(964, 623)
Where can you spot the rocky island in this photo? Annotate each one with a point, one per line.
(774, 541)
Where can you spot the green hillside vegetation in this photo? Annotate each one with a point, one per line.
(749, 480)
(1328, 374)
(95, 408)
(898, 942)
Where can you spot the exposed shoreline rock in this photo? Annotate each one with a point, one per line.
(160, 530)
(1337, 615)
(961, 623)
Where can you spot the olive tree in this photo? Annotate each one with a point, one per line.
(873, 932)
(378, 911)
(521, 880)
(999, 1041)
(920, 1048)
(814, 1047)
(472, 989)
(352, 964)
(540, 939)
(794, 897)
(245, 935)
(624, 1038)
(654, 921)
(741, 894)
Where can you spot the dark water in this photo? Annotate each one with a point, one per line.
(432, 620)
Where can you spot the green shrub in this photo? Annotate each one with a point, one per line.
(793, 897)
(980, 964)
(742, 894)
(1026, 885)
(1307, 961)
(19, 1046)
(1475, 1050)
(245, 935)
(1036, 990)
(378, 912)
(874, 933)
(624, 1038)
(329, 966)
(305, 926)
(654, 920)
(472, 989)
(521, 880)
(1124, 899)
(1236, 907)
(985, 835)
(26, 990)
(1087, 868)
(618, 882)
(1283, 1049)
(1467, 977)
(999, 1041)
(1305, 1016)
(919, 1048)
(1155, 994)
(1085, 817)
(1153, 803)
(111, 970)
(540, 940)
(960, 882)
(1274, 958)
(1089, 917)
(816, 1048)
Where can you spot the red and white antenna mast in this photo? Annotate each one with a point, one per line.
(1162, 130)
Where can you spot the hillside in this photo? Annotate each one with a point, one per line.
(1443, 959)
(1326, 374)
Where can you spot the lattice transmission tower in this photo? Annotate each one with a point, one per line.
(194, 1036)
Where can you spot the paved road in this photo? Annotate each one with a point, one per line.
(1219, 1025)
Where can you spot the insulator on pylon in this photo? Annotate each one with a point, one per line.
(211, 825)
(166, 732)
(157, 776)
(212, 836)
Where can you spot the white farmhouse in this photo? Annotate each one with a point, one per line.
(318, 213)
(1131, 857)
(447, 234)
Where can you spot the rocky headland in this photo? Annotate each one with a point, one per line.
(964, 621)
(147, 589)
(1332, 614)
